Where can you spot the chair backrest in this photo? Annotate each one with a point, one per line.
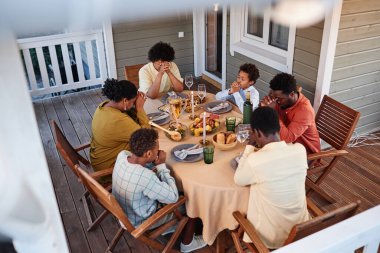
(314, 225)
(67, 151)
(103, 197)
(132, 73)
(336, 122)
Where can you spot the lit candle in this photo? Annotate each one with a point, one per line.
(204, 128)
(192, 105)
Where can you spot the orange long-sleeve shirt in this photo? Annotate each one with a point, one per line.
(298, 125)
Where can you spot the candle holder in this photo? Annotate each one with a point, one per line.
(207, 143)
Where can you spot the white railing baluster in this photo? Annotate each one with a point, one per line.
(90, 59)
(55, 65)
(102, 55)
(66, 61)
(43, 70)
(78, 60)
(30, 69)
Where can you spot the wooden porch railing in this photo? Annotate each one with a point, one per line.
(362, 230)
(63, 62)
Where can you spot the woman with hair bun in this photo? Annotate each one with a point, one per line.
(114, 121)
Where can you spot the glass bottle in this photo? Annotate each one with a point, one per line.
(247, 108)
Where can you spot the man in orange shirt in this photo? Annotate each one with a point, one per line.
(297, 118)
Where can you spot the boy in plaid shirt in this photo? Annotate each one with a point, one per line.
(140, 190)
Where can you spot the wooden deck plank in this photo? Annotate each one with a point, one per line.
(74, 232)
(95, 239)
(356, 176)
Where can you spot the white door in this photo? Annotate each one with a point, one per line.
(209, 31)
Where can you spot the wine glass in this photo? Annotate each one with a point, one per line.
(189, 81)
(242, 132)
(201, 91)
(177, 106)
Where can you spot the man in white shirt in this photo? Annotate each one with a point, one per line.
(161, 74)
(245, 80)
(276, 174)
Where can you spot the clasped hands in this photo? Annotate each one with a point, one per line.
(269, 101)
(235, 87)
(164, 67)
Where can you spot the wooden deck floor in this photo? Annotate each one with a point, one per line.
(356, 177)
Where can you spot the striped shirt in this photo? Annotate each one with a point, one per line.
(139, 190)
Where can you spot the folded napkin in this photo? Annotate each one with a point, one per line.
(218, 107)
(182, 154)
(159, 117)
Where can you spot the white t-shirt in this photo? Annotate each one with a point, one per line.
(148, 74)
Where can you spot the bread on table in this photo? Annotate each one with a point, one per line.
(221, 138)
(231, 138)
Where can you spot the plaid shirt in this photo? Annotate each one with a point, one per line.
(139, 190)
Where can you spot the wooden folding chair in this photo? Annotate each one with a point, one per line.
(335, 123)
(298, 231)
(132, 73)
(143, 232)
(71, 156)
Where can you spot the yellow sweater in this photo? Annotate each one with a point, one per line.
(111, 131)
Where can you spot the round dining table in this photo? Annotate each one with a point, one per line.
(211, 192)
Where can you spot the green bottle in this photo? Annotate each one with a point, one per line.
(247, 108)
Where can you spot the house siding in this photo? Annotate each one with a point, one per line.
(133, 40)
(307, 49)
(356, 73)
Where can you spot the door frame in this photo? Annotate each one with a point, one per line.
(200, 47)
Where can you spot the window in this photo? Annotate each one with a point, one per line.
(259, 38)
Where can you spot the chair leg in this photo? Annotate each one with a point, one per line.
(176, 234)
(86, 208)
(98, 220)
(115, 240)
(236, 240)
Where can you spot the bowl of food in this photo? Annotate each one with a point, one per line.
(224, 140)
(180, 128)
(196, 128)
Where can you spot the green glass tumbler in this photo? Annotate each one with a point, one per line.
(208, 154)
(230, 123)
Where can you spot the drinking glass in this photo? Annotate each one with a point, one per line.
(189, 81)
(208, 154)
(201, 91)
(230, 123)
(242, 132)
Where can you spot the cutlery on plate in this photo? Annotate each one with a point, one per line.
(183, 153)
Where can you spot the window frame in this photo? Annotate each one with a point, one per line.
(256, 47)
